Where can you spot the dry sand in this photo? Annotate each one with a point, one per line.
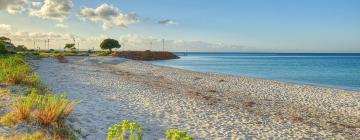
(207, 105)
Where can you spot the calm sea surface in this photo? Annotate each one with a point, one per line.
(329, 70)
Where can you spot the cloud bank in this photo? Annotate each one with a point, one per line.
(109, 16)
(13, 6)
(53, 9)
(5, 27)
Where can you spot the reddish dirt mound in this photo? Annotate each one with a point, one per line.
(145, 55)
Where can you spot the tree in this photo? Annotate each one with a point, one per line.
(3, 50)
(5, 39)
(109, 44)
(21, 48)
(70, 47)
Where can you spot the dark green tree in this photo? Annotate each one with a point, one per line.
(5, 39)
(21, 48)
(109, 44)
(3, 50)
(70, 46)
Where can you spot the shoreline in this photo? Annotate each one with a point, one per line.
(357, 89)
(207, 105)
(259, 78)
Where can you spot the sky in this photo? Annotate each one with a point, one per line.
(186, 25)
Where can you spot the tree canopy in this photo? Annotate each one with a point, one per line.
(3, 50)
(70, 46)
(109, 44)
(5, 39)
(21, 48)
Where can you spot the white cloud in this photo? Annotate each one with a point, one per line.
(53, 9)
(5, 27)
(167, 22)
(13, 6)
(60, 25)
(109, 16)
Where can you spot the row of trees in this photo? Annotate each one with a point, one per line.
(5, 44)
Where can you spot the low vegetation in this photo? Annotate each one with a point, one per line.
(177, 135)
(39, 105)
(130, 130)
(14, 70)
(45, 109)
(35, 136)
(133, 131)
(51, 108)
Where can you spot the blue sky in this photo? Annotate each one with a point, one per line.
(204, 25)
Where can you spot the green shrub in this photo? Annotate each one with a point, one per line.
(120, 131)
(103, 54)
(133, 131)
(177, 135)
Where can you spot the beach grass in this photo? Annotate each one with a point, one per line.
(38, 135)
(46, 109)
(51, 108)
(14, 70)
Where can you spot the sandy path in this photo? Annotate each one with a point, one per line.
(208, 106)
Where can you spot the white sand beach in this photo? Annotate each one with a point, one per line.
(206, 105)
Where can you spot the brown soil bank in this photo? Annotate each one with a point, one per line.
(145, 55)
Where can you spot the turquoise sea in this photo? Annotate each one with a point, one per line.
(339, 70)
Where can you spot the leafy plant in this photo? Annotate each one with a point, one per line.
(120, 131)
(177, 135)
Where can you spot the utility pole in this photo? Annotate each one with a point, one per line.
(74, 42)
(45, 44)
(151, 43)
(163, 40)
(48, 41)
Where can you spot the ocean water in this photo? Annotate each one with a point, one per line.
(327, 70)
